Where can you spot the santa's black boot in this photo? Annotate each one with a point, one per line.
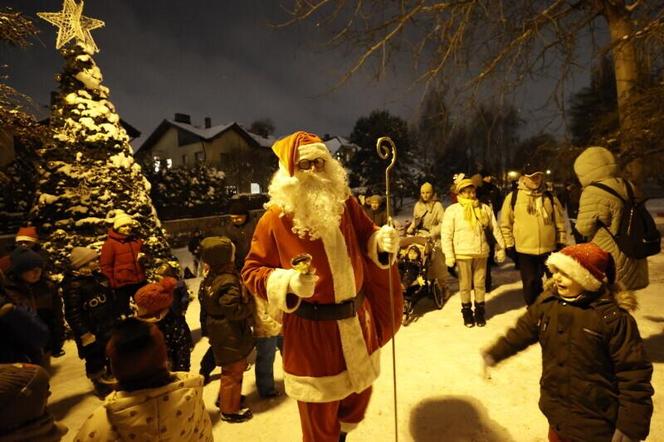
(467, 313)
(342, 436)
(479, 314)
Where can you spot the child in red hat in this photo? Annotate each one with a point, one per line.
(595, 382)
(153, 304)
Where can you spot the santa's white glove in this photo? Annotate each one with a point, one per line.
(449, 262)
(302, 284)
(619, 436)
(387, 239)
(499, 256)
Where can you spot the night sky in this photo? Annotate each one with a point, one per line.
(220, 59)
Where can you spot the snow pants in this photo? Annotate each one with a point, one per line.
(230, 392)
(532, 268)
(322, 422)
(471, 276)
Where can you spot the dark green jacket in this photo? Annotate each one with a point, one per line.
(229, 310)
(595, 373)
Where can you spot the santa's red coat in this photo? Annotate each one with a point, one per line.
(327, 360)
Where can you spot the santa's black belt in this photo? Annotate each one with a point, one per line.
(330, 312)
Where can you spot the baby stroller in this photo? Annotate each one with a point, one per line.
(414, 260)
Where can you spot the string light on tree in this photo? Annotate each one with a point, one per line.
(72, 24)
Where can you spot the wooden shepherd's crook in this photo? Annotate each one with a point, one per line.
(384, 153)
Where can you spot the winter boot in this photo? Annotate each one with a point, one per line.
(342, 436)
(243, 415)
(467, 313)
(479, 314)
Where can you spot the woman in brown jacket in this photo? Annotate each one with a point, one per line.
(595, 383)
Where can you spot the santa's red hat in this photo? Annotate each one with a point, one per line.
(288, 149)
(28, 234)
(587, 264)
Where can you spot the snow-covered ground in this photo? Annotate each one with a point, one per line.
(441, 393)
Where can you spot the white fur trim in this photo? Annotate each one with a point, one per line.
(25, 238)
(372, 251)
(361, 368)
(347, 427)
(277, 290)
(329, 388)
(574, 270)
(313, 151)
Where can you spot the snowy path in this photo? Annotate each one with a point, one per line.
(442, 396)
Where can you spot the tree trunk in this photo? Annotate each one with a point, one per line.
(627, 75)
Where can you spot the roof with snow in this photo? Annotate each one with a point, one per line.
(204, 133)
(335, 143)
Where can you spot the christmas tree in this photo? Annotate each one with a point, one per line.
(88, 174)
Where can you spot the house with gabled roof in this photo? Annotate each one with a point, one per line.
(340, 148)
(245, 157)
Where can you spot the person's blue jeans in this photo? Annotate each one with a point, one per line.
(266, 348)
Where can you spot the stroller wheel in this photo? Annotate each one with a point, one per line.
(407, 311)
(437, 293)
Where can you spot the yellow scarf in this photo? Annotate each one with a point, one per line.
(472, 211)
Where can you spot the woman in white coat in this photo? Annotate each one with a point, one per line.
(466, 225)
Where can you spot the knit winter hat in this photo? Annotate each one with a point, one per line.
(122, 219)
(23, 259)
(25, 387)
(426, 187)
(216, 251)
(587, 264)
(137, 351)
(461, 182)
(80, 256)
(287, 148)
(374, 199)
(238, 207)
(28, 234)
(152, 299)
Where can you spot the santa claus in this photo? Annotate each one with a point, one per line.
(337, 313)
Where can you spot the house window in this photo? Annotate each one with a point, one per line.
(255, 188)
(157, 163)
(169, 163)
(199, 157)
(186, 137)
(231, 190)
(184, 159)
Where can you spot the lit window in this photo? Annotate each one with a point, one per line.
(157, 163)
(169, 163)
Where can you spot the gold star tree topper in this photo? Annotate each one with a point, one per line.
(72, 24)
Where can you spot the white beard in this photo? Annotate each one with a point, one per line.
(316, 200)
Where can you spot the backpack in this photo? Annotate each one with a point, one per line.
(637, 235)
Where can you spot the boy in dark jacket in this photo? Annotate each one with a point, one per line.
(24, 335)
(26, 286)
(595, 382)
(91, 311)
(229, 308)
